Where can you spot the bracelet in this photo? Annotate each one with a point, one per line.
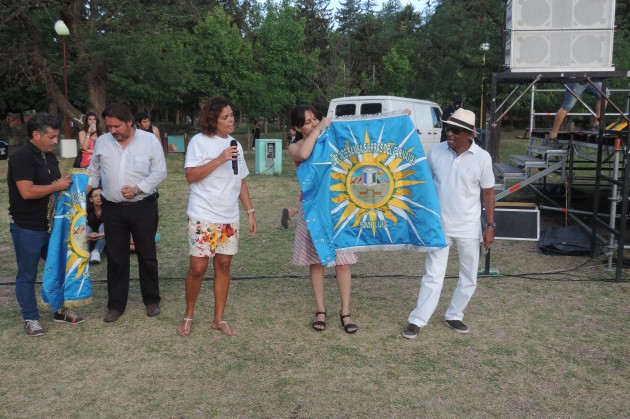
(249, 211)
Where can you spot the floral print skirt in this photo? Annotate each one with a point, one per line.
(207, 239)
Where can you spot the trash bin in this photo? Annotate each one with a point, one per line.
(68, 148)
(268, 156)
(4, 150)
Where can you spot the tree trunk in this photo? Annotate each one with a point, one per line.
(97, 90)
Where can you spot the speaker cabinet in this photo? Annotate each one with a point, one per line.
(559, 35)
(532, 15)
(560, 50)
(516, 221)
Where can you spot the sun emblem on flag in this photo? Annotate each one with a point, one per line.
(77, 253)
(373, 186)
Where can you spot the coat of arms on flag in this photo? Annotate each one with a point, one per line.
(367, 186)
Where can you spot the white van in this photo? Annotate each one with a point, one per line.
(426, 115)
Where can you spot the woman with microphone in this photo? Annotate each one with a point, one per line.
(216, 171)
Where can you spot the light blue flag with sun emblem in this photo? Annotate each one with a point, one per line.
(367, 187)
(66, 278)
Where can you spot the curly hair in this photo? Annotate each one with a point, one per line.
(209, 116)
(86, 126)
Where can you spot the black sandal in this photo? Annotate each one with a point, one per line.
(319, 325)
(284, 220)
(348, 326)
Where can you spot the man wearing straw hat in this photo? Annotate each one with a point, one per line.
(462, 171)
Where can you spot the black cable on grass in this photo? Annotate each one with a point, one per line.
(525, 275)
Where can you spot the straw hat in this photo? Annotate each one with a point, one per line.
(462, 118)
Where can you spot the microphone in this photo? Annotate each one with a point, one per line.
(234, 162)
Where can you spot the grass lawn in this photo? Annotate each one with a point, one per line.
(548, 337)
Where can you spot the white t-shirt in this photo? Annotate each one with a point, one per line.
(214, 198)
(459, 180)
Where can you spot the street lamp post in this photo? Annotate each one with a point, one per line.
(63, 31)
(484, 48)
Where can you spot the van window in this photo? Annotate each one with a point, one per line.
(436, 115)
(371, 108)
(344, 110)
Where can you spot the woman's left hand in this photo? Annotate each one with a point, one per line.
(252, 224)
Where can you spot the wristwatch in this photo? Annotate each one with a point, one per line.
(491, 225)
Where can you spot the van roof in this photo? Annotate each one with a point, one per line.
(394, 98)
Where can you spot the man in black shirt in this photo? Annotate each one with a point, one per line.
(33, 177)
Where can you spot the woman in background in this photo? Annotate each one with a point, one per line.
(213, 210)
(95, 226)
(304, 120)
(87, 138)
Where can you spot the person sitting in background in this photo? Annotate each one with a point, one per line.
(87, 138)
(95, 226)
(143, 122)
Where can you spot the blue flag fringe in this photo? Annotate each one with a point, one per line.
(66, 279)
(367, 187)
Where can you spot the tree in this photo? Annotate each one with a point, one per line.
(348, 16)
(282, 68)
(136, 48)
(448, 59)
(398, 74)
(317, 23)
(221, 58)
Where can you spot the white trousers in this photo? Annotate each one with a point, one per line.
(433, 279)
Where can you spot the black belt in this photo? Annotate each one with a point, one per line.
(154, 196)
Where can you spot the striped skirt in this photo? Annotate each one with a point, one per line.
(304, 253)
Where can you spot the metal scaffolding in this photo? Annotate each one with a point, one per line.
(541, 161)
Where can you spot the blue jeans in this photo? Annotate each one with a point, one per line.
(30, 246)
(579, 89)
(99, 245)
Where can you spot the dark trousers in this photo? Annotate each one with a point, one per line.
(138, 220)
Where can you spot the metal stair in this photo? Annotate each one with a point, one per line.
(520, 168)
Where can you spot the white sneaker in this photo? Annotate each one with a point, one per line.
(95, 256)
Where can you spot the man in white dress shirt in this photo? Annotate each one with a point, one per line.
(129, 164)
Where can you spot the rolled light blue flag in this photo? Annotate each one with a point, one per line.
(367, 187)
(66, 280)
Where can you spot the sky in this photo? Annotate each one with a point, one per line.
(417, 4)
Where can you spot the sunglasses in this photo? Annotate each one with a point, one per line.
(454, 130)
